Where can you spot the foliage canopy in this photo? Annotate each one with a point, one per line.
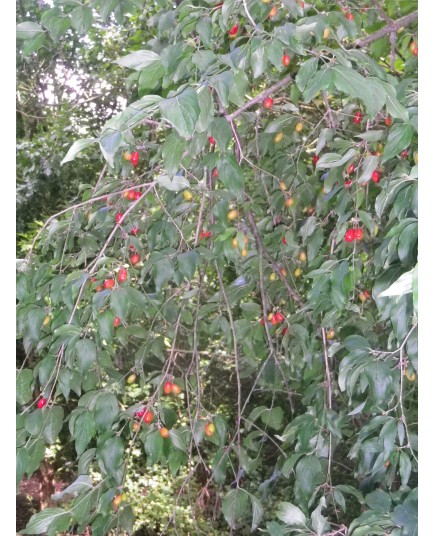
(297, 342)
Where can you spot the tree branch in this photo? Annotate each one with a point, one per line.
(259, 98)
(388, 29)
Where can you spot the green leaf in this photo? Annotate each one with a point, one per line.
(273, 417)
(187, 263)
(86, 354)
(53, 422)
(109, 142)
(257, 512)
(331, 160)
(175, 185)
(309, 473)
(321, 81)
(221, 132)
(231, 175)
(182, 112)
(28, 30)
(234, 506)
(172, 151)
(81, 484)
(319, 522)
(33, 422)
(139, 59)
(369, 90)
(110, 454)
(81, 19)
(399, 139)
(106, 410)
(239, 88)
(219, 466)
(84, 430)
(153, 446)
(290, 514)
(305, 73)
(24, 386)
(394, 108)
(163, 272)
(379, 501)
(206, 106)
(105, 325)
(178, 439)
(119, 303)
(41, 521)
(370, 164)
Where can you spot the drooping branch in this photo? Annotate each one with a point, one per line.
(260, 97)
(388, 29)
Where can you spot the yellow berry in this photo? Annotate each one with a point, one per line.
(278, 137)
(131, 378)
(244, 252)
(234, 243)
(282, 186)
(47, 320)
(326, 33)
(188, 196)
(289, 202)
(273, 276)
(298, 272)
(232, 215)
(416, 157)
(299, 127)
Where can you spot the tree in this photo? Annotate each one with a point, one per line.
(248, 256)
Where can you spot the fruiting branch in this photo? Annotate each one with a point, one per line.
(400, 23)
(260, 97)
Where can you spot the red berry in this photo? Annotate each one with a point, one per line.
(376, 176)
(93, 279)
(349, 16)
(367, 294)
(109, 283)
(284, 331)
(42, 402)
(286, 60)
(148, 417)
(211, 140)
(388, 121)
(131, 195)
(358, 233)
(233, 31)
(268, 102)
(262, 321)
(134, 259)
(277, 319)
(122, 275)
(132, 248)
(357, 119)
(119, 217)
(404, 154)
(350, 168)
(168, 388)
(116, 322)
(205, 234)
(284, 241)
(134, 231)
(350, 235)
(135, 158)
(348, 184)
(215, 173)
(99, 288)
(137, 195)
(315, 159)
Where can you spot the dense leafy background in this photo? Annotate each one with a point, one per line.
(241, 214)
